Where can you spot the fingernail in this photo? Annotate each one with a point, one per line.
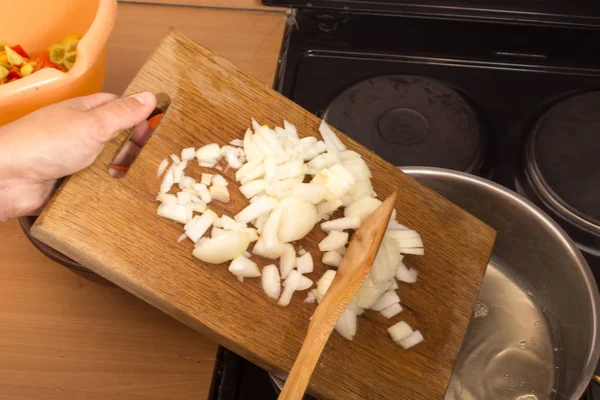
(145, 98)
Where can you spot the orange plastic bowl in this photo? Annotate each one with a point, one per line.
(38, 24)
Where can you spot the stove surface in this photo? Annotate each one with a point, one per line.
(392, 82)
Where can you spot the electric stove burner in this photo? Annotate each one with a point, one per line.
(411, 121)
(566, 152)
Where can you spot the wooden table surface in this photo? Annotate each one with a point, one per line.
(68, 335)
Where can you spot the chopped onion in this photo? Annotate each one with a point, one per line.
(219, 193)
(175, 212)
(215, 232)
(206, 179)
(282, 189)
(199, 207)
(411, 340)
(271, 281)
(412, 250)
(341, 251)
(337, 180)
(162, 167)
(394, 225)
(188, 153)
(302, 282)
(315, 148)
(230, 224)
(178, 171)
(362, 208)
(324, 283)
(402, 234)
(226, 247)
(218, 180)
(334, 240)
(175, 159)
(184, 198)
(291, 169)
(322, 161)
(370, 292)
(270, 231)
(255, 125)
(233, 156)
(301, 251)
(262, 144)
(304, 264)
(256, 209)
(346, 324)
(395, 285)
(270, 165)
(260, 222)
(306, 142)
(251, 232)
(289, 287)
(386, 300)
(310, 192)
(247, 254)
(358, 168)
(332, 258)
(287, 261)
(404, 274)
(260, 249)
(341, 224)
(200, 224)
(243, 267)
(409, 242)
(400, 331)
(209, 153)
(251, 150)
(167, 181)
(186, 182)
(209, 164)
(391, 311)
(218, 223)
(290, 129)
(310, 298)
(252, 188)
(237, 143)
(328, 207)
(298, 219)
(330, 138)
(181, 238)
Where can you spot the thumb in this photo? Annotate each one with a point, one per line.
(120, 114)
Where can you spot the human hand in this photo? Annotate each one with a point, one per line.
(59, 140)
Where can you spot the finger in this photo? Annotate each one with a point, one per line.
(85, 103)
(118, 115)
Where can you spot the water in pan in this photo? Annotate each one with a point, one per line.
(508, 352)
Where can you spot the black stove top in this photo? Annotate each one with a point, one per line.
(485, 81)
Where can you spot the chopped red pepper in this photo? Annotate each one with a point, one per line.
(14, 73)
(20, 51)
(120, 168)
(42, 58)
(154, 121)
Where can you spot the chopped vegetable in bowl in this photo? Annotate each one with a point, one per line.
(16, 63)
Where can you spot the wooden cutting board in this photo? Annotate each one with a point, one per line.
(110, 226)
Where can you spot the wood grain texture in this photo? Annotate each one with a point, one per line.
(110, 225)
(250, 40)
(70, 336)
(350, 275)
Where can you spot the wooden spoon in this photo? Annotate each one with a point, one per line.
(353, 269)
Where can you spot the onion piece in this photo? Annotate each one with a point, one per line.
(175, 158)
(358, 168)
(342, 251)
(310, 192)
(334, 240)
(287, 261)
(199, 207)
(166, 198)
(330, 138)
(223, 248)
(395, 225)
(188, 154)
(290, 129)
(412, 250)
(291, 169)
(301, 251)
(178, 171)
(395, 285)
(251, 233)
(181, 238)
(175, 212)
(167, 181)
(400, 331)
(282, 189)
(219, 193)
(256, 209)
(270, 234)
(346, 324)
(289, 287)
(403, 274)
(162, 167)
(271, 282)
(362, 208)
(411, 340)
(310, 298)
(237, 143)
(233, 156)
(386, 300)
(209, 164)
(203, 192)
(260, 249)
(302, 282)
(208, 153)
(200, 224)
(253, 153)
(184, 198)
(206, 179)
(341, 224)
(322, 161)
(262, 144)
(243, 267)
(332, 258)
(255, 125)
(298, 219)
(186, 182)
(316, 148)
(218, 180)
(306, 142)
(324, 283)
(252, 188)
(230, 224)
(402, 234)
(328, 207)
(270, 165)
(409, 242)
(215, 232)
(304, 264)
(391, 311)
